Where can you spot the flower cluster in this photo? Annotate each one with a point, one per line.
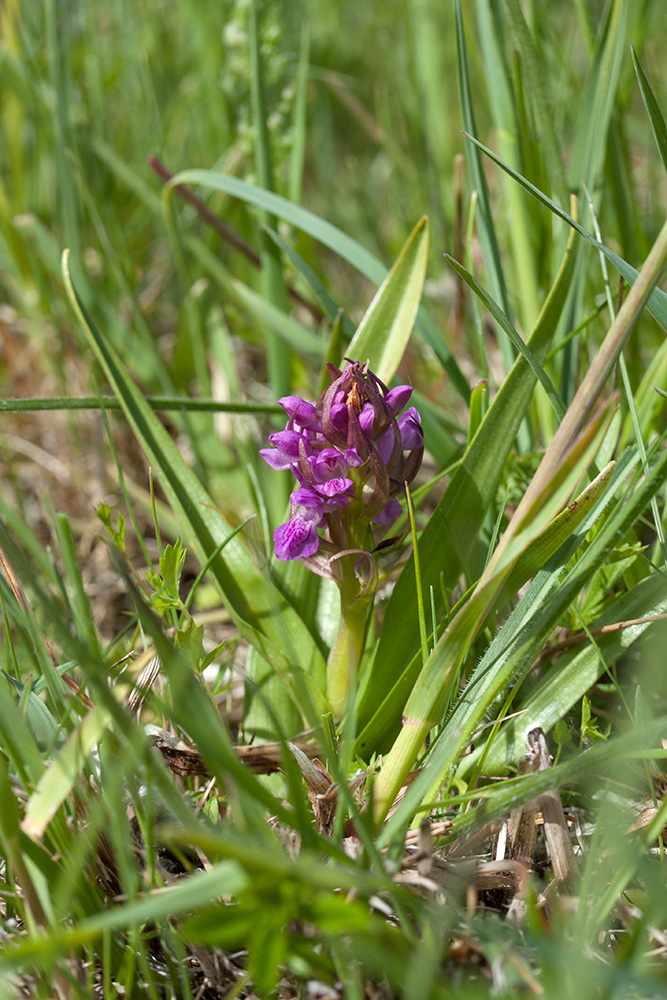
(351, 452)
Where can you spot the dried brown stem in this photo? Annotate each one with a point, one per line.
(227, 232)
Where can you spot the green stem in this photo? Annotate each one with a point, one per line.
(347, 650)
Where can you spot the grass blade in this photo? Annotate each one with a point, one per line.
(448, 541)
(329, 236)
(383, 333)
(655, 115)
(261, 613)
(657, 302)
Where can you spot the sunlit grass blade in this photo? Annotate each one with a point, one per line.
(657, 302)
(536, 86)
(637, 745)
(524, 634)
(597, 104)
(429, 696)
(164, 403)
(273, 282)
(59, 778)
(385, 722)
(518, 146)
(330, 306)
(479, 404)
(484, 214)
(591, 386)
(300, 123)
(505, 324)
(385, 329)
(577, 672)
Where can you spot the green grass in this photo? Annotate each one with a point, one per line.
(139, 377)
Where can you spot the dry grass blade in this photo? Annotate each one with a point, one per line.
(322, 790)
(556, 832)
(183, 759)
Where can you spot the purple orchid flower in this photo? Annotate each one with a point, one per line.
(351, 452)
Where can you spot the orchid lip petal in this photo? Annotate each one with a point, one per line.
(334, 487)
(296, 539)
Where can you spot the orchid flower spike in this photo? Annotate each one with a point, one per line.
(351, 453)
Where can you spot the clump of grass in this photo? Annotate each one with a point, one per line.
(181, 811)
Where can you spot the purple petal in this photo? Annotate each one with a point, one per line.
(389, 513)
(310, 502)
(386, 445)
(334, 487)
(367, 419)
(288, 443)
(328, 463)
(410, 426)
(397, 397)
(335, 503)
(297, 539)
(275, 458)
(352, 459)
(300, 410)
(338, 417)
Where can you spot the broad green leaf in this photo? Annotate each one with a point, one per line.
(17, 740)
(43, 726)
(385, 329)
(258, 609)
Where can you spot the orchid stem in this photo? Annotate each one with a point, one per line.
(347, 650)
